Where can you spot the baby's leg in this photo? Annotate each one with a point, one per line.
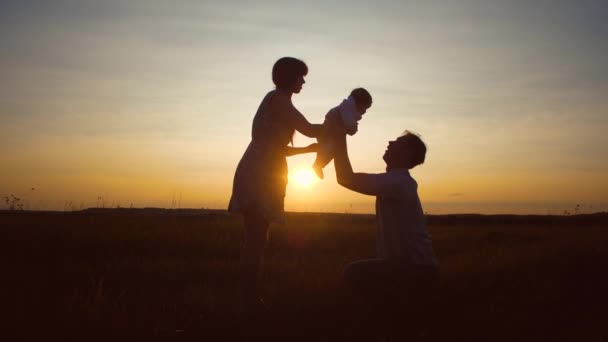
(318, 166)
(326, 146)
(324, 156)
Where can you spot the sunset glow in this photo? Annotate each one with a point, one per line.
(141, 101)
(304, 178)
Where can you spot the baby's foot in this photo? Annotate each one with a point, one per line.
(319, 171)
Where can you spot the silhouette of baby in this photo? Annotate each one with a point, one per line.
(343, 119)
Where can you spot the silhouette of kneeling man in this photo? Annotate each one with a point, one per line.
(398, 286)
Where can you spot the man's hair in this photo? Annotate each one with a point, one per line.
(362, 97)
(287, 70)
(412, 141)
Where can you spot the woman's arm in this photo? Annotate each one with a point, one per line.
(364, 183)
(292, 151)
(297, 120)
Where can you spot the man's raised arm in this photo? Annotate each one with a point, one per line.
(360, 182)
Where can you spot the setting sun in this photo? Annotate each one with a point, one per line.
(303, 177)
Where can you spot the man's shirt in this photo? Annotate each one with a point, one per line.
(401, 226)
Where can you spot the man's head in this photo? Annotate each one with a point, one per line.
(363, 99)
(407, 151)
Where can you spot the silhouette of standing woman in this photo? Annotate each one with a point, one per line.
(261, 176)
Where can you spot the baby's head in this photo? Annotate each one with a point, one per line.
(363, 100)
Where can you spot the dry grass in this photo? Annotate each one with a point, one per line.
(164, 275)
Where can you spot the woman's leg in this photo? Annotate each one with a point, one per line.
(254, 241)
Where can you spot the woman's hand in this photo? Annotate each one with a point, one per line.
(292, 151)
(312, 148)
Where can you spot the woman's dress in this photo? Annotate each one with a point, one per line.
(260, 179)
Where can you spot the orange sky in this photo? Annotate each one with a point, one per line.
(150, 104)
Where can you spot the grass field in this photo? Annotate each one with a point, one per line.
(172, 274)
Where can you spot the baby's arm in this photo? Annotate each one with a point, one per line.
(353, 129)
(335, 124)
